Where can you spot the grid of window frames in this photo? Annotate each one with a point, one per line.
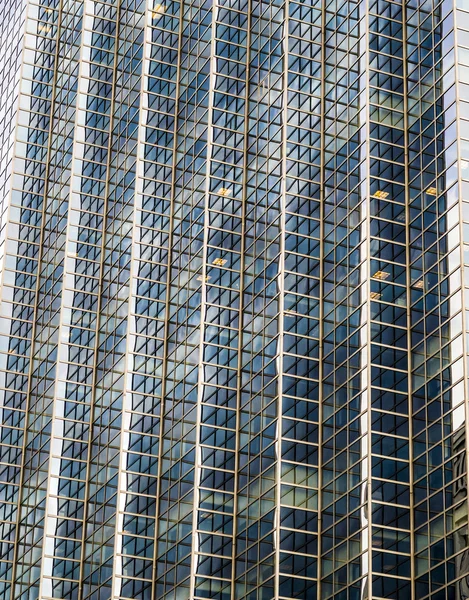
(344, 454)
(459, 436)
(232, 301)
(438, 366)
(114, 564)
(12, 406)
(41, 192)
(389, 445)
(256, 518)
(300, 229)
(189, 294)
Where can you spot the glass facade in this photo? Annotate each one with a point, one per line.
(234, 302)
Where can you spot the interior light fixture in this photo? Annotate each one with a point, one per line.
(202, 278)
(219, 262)
(432, 191)
(224, 191)
(375, 295)
(418, 284)
(381, 195)
(382, 275)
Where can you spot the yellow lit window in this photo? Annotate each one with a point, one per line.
(381, 195)
(219, 262)
(381, 275)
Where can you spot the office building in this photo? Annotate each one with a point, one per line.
(234, 284)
